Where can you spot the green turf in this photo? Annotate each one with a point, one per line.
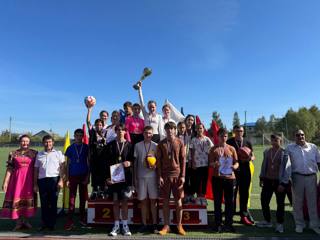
(242, 231)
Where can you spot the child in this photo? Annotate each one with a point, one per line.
(120, 151)
(152, 118)
(135, 125)
(104, 115)
(171, 162)
(146, 179)
(77, 175)
(97, 141)
(166, 111)
(223, 158)
(200, 147)
(271, 171)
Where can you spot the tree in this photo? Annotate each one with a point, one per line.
(261, 126)
(236, 119)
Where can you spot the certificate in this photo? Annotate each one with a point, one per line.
(117, 173)
(225, 167)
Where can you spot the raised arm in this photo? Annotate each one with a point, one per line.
(89, 118)
(143, 106)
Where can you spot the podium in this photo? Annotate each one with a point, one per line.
(100, 212)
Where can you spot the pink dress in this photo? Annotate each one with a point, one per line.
(20, 199)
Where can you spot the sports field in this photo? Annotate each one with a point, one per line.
(100, 232)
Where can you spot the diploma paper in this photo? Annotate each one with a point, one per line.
(225, 167)
(117, 173)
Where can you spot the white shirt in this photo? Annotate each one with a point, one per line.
(302, 159)
(49, 163)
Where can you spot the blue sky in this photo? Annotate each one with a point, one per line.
(208, 55)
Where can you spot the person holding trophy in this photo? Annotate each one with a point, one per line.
(151, 118)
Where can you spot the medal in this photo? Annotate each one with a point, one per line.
(119, 158)
(120, 150)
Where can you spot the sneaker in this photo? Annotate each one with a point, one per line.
(164, 230)
(264, 224)
(316, 230)
(181, 231)
(217, 229)
(69, 225)
(279, 228)
(126, 230)
(83, 222)
(250, 218)
(245, 221)
(115, 231)
(299, 229)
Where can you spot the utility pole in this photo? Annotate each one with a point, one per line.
(10, 123)
(245, 122)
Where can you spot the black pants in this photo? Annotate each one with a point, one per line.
(200, 180)
(243, 177)
(223, 188)
(48, 192)
(270, 187)
(188, 186)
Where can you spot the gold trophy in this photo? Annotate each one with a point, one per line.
(146, 72)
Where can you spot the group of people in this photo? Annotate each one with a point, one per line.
(159, 157)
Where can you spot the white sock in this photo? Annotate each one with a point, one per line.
(116, 223)
(124, 222)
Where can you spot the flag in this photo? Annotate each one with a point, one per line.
(85, 138)
(65, 197)
(214, 129)
(174, 114)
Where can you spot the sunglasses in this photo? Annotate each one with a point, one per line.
(299, 135)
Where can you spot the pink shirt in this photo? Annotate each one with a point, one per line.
(134, 125)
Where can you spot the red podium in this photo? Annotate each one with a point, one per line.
(100, 213)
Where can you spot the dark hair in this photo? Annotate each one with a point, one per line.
(200, 124)
(24, 136)
(47, 137)
(170, 125)
(127, 104)
(152, 101)
(166, 105)
(78, 131)
(136, 105)
(236, 127)
(180, 123)
(276, 136)
(103, 111)
(222, 131)
(120, 126)
(98, 121)
(147, 128)
(188, 116)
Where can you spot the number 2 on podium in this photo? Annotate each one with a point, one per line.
(106, 213)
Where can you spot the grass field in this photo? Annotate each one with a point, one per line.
(242, 231)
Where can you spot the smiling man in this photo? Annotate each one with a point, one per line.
(303, 160)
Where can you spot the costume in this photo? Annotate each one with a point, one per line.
(20, 200)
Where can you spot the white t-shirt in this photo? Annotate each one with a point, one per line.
(201, 148)
(49, 163)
